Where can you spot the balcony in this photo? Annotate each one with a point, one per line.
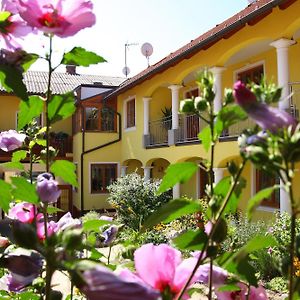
(295, 98)
(158, 130)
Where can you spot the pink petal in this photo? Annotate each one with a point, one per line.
(156, 265)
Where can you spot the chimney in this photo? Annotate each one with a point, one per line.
(71, 69)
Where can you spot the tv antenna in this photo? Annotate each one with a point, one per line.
(147, 51)
(126, 70)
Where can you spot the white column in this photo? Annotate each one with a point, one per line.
(217, 72)
(175, 104)
(146, 101)
(282, 47)
(176, 191)
(219, 174)
(285, 205)
(123, 170)
(147, 172)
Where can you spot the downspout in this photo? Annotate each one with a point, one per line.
(92, 150)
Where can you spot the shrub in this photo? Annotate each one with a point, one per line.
(278, 284)
(135, 199)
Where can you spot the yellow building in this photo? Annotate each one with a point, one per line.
(84, 86)
(148, 134)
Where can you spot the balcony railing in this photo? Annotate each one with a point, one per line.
(159, 131)
(295, 98)
(189, 128)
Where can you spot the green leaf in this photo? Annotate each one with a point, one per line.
(95, 254)
(180, 172)
(5, 195)
(61, 107)
(65, 170)
(24, 190)
(11, 79)
(191, 240)
(94, 225)
(205, 137)
(229, 288)
(28, 59)
(13, 165)
(29, 110)
(4, 15)
(257, 198)
(19, 155)
(229, 115)
(259, 242)
(170, 211)
(53, 210)
(80, 57)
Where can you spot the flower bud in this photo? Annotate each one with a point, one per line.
(47, 188)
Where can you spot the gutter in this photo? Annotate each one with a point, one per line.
(201, 44)
(83, 153)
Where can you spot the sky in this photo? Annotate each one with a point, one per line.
(166, 24)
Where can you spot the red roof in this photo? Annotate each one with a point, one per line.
(252, 14)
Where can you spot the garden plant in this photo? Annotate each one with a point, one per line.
(33, 246)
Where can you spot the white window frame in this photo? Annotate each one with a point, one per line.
(101, 163)
(130, 98)
(248, 67)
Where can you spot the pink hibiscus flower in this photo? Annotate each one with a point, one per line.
(255, 293)
(13, 27)
(168, 271)
(58, 17)
(24, 212)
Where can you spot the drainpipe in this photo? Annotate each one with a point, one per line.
(83, 153)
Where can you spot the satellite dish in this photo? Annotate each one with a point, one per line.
(147, 49)
(126, 71)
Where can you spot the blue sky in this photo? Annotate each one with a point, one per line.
(166, 24)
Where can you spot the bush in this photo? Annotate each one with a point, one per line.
(277, 284)
(135, 199)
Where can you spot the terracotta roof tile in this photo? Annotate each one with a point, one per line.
(256, 10)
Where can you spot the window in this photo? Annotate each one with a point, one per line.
(130, 113)
(254, 74)
(97, 119)
(192, 93)
(264, 180)
(91, 118)
(102, 175)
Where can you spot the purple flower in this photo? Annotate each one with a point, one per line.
(101, 281)
(106, 218)
(16, 283)
(47, 188)
(24, 263)
(208, 227)
(267, 117)
(67, 222)
(219, 275)
(11, 140)
(110, 234)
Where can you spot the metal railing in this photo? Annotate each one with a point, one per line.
(294, 98)
(159, 131)
(189, 128)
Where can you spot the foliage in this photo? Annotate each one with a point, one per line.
(135, 199)
(277, 284)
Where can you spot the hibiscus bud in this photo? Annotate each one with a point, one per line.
(187, 106)
(24, 235)
(110, 234)
(47, 188)
(200, 104)
(3, 242)
(267, 117)
(243, 96)
(11, 140)
(72, 239)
